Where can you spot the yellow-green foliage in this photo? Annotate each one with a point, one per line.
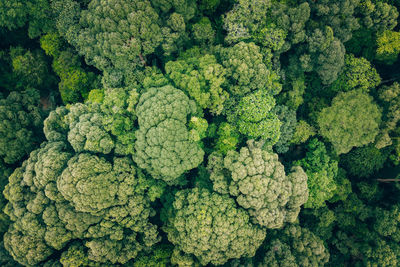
(257, 180)
(302, 132)
(351, 121)
(228, 138)
(202, 78)
(357, 74)
(211, 227)
(256, 117)
(104, 201)
(388, 44)
(51, 43)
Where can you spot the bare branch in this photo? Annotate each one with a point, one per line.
(388, 180)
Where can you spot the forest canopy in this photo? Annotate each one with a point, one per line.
(199, 133)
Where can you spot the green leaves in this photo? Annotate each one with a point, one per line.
(36, 13)
(364, 161)
(351, 121)
(288, 120)
(255, 117)
(228, 138)
(388, 44)
(98, 184)
(198, 128)
(339, 15)
(245, 19)
(211, 227)
(106, 47)
(302, 132)
(171, 83)
(271, 38)
(295, 246)
(247, 70)
(203, 32)
(357, 74)
(257, 180)
(322, 172)
(31, 68)
(202, 78)
(84, 196)
(20, 130)
(378, 16)
(164, 146)
(87, 131)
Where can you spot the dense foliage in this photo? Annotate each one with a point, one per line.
(199, 133)
(21, 124)
(257, 180)
(210, 226)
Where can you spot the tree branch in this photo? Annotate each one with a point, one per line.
(142, 60)
(388, 180)
(390, 80)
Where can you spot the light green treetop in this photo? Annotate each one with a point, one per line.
(257, 180)
(351, 121)
(211, 227)
(164, 147)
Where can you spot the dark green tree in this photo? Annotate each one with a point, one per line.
(294, 246)
(339, 15)
(288, 120)
(326, 54)
(322, 171)
(364, 161)
(203, 32)
(30, 69)
(36, 13)
(21, 128)
(389, 135)
(377, 15)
